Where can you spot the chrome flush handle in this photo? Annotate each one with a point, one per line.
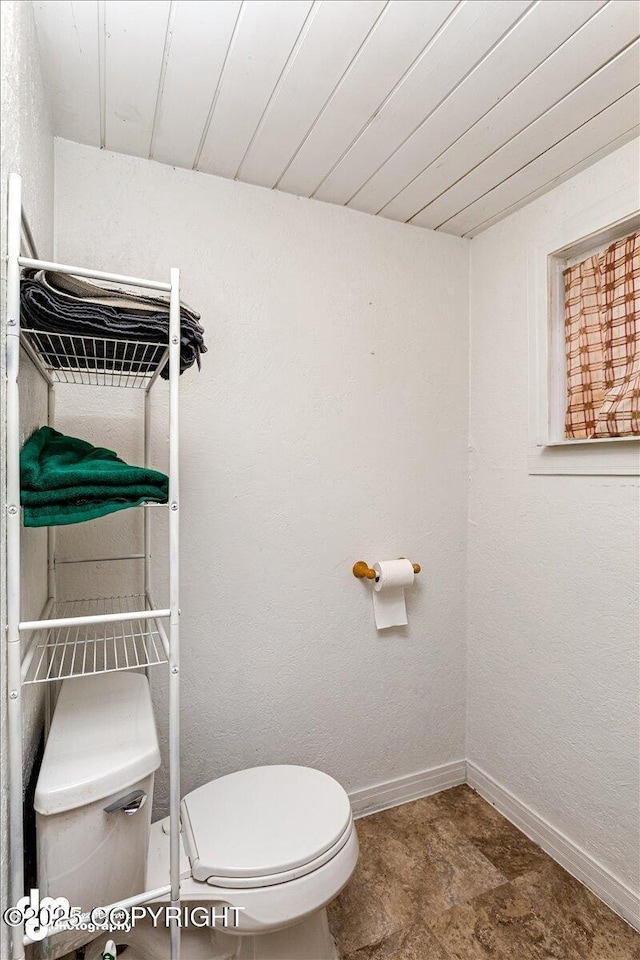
(129, 804)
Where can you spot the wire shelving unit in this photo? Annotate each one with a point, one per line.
(97, 361)
(58, 653)
(102, 634)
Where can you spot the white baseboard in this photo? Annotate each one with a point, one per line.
(381, 796)
(564, 851)
(575, 860)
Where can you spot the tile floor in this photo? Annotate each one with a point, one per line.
(448, 878)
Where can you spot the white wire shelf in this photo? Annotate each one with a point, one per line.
(80, 649)
(96, 361)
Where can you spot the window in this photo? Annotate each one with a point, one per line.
(602, 342)
(584, 350)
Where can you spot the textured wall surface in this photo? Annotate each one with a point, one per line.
(328, 424)
(553, 573)
(27, 148)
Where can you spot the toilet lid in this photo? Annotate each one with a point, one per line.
(263, 822)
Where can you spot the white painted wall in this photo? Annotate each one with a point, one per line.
(552, 687)
(328, 424)
(27, 148)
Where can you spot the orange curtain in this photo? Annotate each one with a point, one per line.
(602, 335)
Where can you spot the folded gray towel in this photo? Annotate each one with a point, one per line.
(109, 294)
(56, 303)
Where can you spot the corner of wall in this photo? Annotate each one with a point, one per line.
(468, 499)
(27, 148)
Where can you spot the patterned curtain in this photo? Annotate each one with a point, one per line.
(602, 334)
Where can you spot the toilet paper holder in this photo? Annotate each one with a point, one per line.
(362, 570)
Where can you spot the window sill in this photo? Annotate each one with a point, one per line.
(589, 442)
(606, 456)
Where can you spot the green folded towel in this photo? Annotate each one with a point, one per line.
(67, 480)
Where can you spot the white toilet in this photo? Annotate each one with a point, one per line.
(277, 843)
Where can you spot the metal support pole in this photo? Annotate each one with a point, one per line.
(93, 618)
(14, 684)
(94, 274)
(146, 515)
(31, 244)
(50, 691)
(174, 625)
(51, 531)
(146, 532)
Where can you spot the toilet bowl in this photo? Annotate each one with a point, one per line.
(263, 851)
(273, 845)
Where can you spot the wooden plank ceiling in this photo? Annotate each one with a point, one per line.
(447, 115)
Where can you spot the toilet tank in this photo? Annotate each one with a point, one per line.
(94, 794)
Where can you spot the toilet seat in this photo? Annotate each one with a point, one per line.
(264, 826)
(282, 877)
(261, 908)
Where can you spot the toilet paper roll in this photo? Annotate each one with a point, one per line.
(389, 607)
